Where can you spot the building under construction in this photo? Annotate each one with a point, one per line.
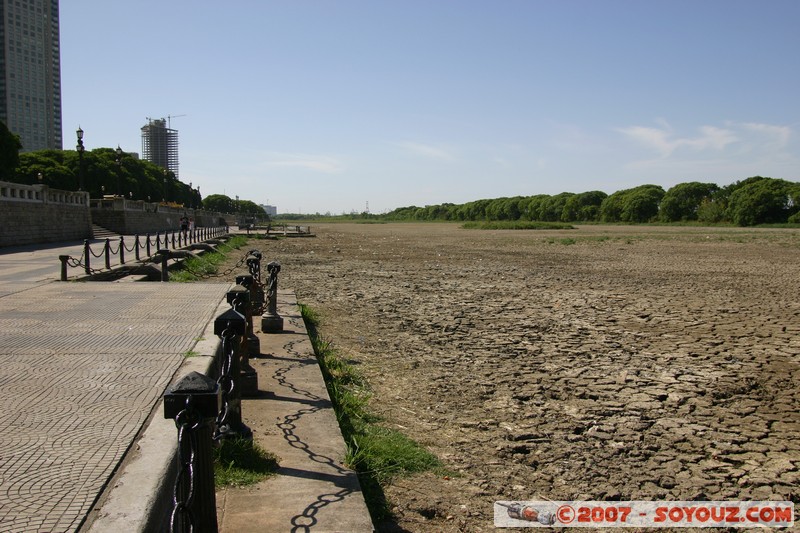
(160, 144)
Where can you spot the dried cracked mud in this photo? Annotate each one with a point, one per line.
(601, 363)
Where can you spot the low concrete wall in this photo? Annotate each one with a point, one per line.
(128, 217)
(32, 214)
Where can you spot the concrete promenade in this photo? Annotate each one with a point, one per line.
(83, 367)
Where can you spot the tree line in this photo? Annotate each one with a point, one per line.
(104, 171)
(752, 201)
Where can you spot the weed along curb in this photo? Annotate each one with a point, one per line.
(292, 417)
(377, 453)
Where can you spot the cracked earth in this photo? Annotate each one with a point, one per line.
(602, 363)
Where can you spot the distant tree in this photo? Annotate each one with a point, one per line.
(533, 207)
(9, 152)
(682, 202)
(636, 205)
(553, 207)
(763, 201)
(711, 210)
(218, 202)
(583, 207)
(131, 177)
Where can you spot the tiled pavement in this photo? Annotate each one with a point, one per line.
(81, 367)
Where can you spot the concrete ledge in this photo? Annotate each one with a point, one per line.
(293, 418)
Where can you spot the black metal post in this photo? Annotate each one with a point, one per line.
(250, 346)
(194, 403)
(108, 254)
(64, 259)
(80, 149)
(271, 321)
(164, 265)
(136, 247)
(87, 255)
(121, 250)
(230, 326)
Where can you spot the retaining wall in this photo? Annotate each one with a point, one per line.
(36, 214)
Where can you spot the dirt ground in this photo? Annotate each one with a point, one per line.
(602, 363)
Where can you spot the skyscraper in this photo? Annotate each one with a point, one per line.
(30, 72)
(160, 144)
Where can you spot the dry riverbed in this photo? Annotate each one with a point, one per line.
(603, 363)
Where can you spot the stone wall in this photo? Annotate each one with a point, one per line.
(128, 217)
(37, 214)
(32, 214)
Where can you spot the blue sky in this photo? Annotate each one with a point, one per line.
(325, 106)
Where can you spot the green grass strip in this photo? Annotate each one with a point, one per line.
(377, 453)
(516, 224)
(194, 268)
(242, 462)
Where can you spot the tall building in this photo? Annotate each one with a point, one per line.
(30, 72)
(160, 144)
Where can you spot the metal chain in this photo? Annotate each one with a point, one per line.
(97, 255)
(273, 279)
(203, 275)
(187, 421)
(74, 263)
(132, 248)
(225, 380)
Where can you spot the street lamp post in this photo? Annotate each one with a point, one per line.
(119, 170)
(80, 149)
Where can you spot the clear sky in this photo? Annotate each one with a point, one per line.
(327, 105)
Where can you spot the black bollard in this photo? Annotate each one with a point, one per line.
(87, 255)
(164, 264)
(194, 403)
(107, 250)
(136, 247)
(256, 288)
(230, 326)
(271, 321)
(121, 250)
(250, 346)
(64, 259)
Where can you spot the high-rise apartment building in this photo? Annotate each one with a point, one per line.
(30, 72)
(160, 144)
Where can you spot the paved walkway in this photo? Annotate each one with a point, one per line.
(81, 368)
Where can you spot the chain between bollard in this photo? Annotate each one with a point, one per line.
(193, 404)
(187, 422)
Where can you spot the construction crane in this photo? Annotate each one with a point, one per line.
(169, 119)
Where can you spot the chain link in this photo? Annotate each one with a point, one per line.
(225, 379)
(187, 421)
(74, 263)
(204, 275)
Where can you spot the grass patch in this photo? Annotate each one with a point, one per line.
(196, 268)
(241, 462)
(516, 224)
(377, 453)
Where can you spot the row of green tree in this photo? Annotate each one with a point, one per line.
(755, 200)
(103, 171)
